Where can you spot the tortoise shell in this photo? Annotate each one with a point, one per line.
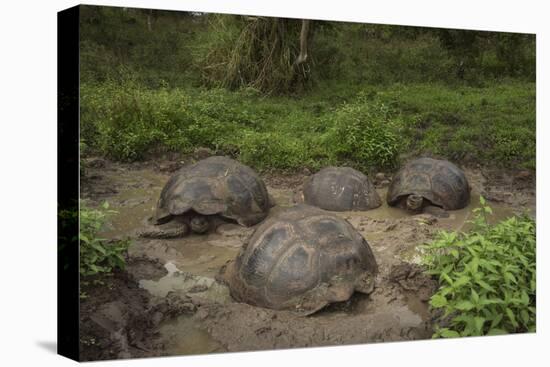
(301, 259)
(215, 186)
(340, 189)
(439, 181)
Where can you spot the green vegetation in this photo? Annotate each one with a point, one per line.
(367, 129)
(368, 96)
(487, 277)
(97, 255)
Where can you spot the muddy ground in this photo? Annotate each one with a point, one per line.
(168, 300)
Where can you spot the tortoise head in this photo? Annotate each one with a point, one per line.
(414, 202)
(199, 223)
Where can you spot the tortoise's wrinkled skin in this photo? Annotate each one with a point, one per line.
(340, 189)
(426, 181)
(199, 194)
(301, 259)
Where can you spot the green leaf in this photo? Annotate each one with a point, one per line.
(475, 264)
(496, 320)
(524, 298)
(464, 306)
(98, 247)
(475, 296)
(510, 277)
(524, 315)
(438, 301)
(485, 286)
(512, 317)
(446, 333)
(478, 322)
(464, 279)
(447, 278)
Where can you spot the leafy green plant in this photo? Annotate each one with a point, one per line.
(364, 132)
(98, 255)
(487, 277)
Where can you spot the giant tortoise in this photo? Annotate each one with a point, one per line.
(426, 182)
(197, 196)
(301, 259)
(340, 189)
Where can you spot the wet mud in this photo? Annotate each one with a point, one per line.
(169, 301)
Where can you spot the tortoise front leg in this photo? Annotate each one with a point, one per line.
(415, 203)
(173, 228)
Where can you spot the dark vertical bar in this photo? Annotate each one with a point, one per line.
(68, 182)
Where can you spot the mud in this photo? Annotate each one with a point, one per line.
(169, 302)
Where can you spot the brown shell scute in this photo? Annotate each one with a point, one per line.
(439, 181)
(341, 189)
(215, 185)
(302, 259)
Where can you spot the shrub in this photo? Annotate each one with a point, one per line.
(364, 132)
(246, 51)
(273, 150)
(487, 277)
(97, 255)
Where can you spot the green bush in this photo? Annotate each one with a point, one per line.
(366, 134)
(367, 129)
(487, 277)
(97, 255)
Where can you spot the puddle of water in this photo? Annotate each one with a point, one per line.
(177, 280)
(200, 258)
(456, 221)
(183, 336)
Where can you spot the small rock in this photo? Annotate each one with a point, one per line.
(306, 171)
(198, 288)
(384, 183)
(202, 314)
(188, 307)
(380, 177)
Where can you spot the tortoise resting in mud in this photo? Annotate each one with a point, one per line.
(301, 259)
(429, 185)
(198, 197)
(340, 189)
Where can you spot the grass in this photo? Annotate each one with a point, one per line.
(368, 127)
(495, 124)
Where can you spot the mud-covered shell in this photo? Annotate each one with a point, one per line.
(340, 189)
(301, 259)
(215, 186)
(439, 181)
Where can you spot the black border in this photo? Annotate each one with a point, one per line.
(68, 182)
